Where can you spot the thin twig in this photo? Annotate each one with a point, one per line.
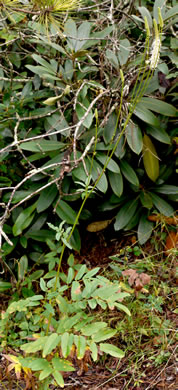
(84, 117)
(16, 80)
(155, 380)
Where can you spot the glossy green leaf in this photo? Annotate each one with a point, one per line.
(42, 146)
(36, 274)
(45, 373)
(70, 29)
(111, 56)
(159, 133)
(118, 296)
(92, 328)
(23, 242)
(163, 207)
(70, 275)
(38, 223)
(112, 350)
(103, 334)
(146, 115)
(19, 195)
(146, 200)
(110, 128)
(51, 101)
(4, 286)
(122, 307)
(23, 220)
(44, 40)
(65, 212)
(116, 183)
(92, 303)
(22, 267)
(83, 32)
(42, 71)
(58, 378)
(62, 365)
(125, 214)
(75, 291)
(129, 173)
(121, 149)
(75, 240)
(34, 346)
(43, 62)
(35, 298)
(81, 272)
(66, 343)
(51, 343)
(145, 12)
(99, 34)
(62, 303)
(41, 235)
(150, 158)
(102, 184)
(43, 285)
(5, 182)
(79, 173)
(101, 303)
(105, 292)
(134, 137)
(39, 364)
(133, 222)
(94, 351)
(167, 189)
(81, 111)
(38, 70)
(158, 4)
(80, 343)
(46, 198)
(124, 51)
(145, 228)
(91, 273)
(158, 106)
(57, 122)
(173, 11)
(111, 165)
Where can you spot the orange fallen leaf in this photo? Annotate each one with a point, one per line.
(171, 241)
(167, 220)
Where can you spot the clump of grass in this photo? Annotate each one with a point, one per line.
(51, 11)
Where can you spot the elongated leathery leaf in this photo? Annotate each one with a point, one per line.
(150, 158)
(145, 228)
(158, 106)
(163, 207)
(116, 183)
(134, 137)
(125, 214)
(46, 198)
(129, 173)
(24, 219)
(65, 212)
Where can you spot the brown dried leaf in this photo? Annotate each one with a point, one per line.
(97, 226)
(133, 275)
(136, 280)
(138, 284)
(145, 279)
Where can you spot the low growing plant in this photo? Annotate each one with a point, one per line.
(59, 324)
